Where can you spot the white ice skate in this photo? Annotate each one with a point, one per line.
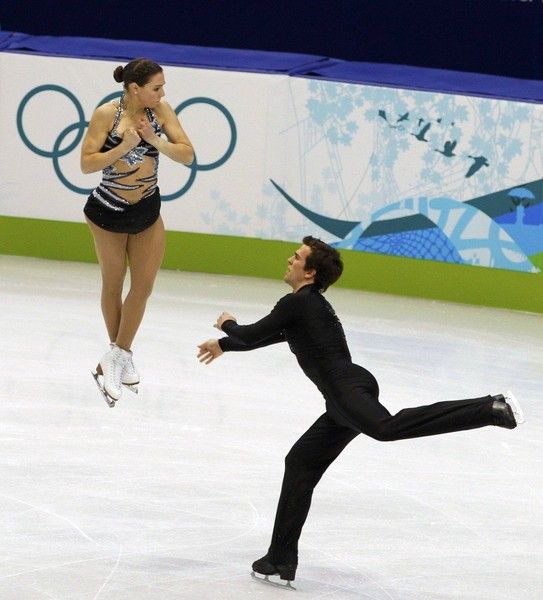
(515, 407)
(109, 372)
(130, 378)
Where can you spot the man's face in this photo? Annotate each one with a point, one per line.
(296, 275)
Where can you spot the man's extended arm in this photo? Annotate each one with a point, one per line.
(233, 344)
(268, 329)
(211, 349)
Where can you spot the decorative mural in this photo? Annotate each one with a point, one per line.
(424, 175)
(417, 174)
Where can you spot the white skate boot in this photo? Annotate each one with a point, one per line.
(130, 377)
(109, 372)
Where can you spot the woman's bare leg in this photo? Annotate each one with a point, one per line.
(145, 253)
(111, 251)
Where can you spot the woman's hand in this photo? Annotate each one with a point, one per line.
(131, 138)
(145, 131)
(222, 318)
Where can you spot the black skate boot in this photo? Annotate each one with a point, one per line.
(502, 414)
(506, 411)
(264, 566)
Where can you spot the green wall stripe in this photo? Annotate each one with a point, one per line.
(46, 239)
(264, 258)
(537, 260)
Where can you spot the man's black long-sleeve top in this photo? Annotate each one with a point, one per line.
(307, 321)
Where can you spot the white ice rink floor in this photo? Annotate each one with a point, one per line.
(172, 493)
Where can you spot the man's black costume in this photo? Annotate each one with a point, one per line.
(307, 321)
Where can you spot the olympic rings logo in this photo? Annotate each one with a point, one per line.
(80, 126)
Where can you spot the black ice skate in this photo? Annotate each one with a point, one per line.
(506, 411)
(264, 566)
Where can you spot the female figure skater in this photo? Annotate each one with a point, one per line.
(124, 142)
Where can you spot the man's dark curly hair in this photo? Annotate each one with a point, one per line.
(325, 260)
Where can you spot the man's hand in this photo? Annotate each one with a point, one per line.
(209, 351)
(222, 318)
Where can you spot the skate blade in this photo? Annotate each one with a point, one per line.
(266, 581)
(518, 413)
(109, 400)
(131, 387)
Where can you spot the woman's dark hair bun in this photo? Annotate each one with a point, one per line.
(118, 74)
(138, 71)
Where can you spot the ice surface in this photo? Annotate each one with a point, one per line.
(171, 494)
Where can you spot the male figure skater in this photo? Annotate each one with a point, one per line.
(306, 320)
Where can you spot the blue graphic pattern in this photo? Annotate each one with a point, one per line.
(430, 244)
(419, 174)
(447, 230)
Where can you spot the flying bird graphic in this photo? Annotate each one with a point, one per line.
(478, 162)
(448, 148)
(422, 132)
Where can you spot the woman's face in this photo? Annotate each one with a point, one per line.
(151, 93)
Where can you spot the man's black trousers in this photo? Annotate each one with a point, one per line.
(323, 442)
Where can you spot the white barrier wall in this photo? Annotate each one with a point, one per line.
(416, 174)
(226, 122)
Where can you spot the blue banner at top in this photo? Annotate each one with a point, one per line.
(300, 65)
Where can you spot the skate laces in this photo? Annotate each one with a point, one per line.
(130, 365)
(119, 360)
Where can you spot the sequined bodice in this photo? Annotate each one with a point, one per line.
(134, 175)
